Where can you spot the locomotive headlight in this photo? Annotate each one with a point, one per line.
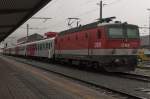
(117, 60)
(139, 60)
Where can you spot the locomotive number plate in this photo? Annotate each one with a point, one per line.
(97, 44)
(125, 45)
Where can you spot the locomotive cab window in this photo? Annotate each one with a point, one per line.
(115, 32)
(132, 33)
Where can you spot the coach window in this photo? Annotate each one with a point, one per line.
(56, 41)
(46, 45)
(37, 47)
(98, 34)
(40, 46)
(34, 47)
(43, 45)
(49, 45)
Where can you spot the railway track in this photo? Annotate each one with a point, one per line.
(124, 84)
(132, 76)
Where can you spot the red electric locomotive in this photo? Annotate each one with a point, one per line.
(109, 46)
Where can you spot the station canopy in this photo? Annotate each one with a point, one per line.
(13, 13)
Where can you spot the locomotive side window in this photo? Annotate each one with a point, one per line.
(98, 34)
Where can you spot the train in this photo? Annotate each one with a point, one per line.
(111, 47)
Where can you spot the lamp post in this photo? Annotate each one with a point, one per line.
(149, 26)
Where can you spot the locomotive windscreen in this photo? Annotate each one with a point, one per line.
(115, 32)
(132, 32)
(123, 32)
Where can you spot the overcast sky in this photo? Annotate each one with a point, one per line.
(131, 11)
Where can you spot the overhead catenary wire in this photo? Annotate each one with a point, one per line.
(114, 2)
(86, 13)
(82, 14)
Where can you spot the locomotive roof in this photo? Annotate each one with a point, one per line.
(89, 26)
(85, 27)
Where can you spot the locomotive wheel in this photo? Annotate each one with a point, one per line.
(95, 65)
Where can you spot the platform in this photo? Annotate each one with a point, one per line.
(21, 81)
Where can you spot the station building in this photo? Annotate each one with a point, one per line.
(31, 38)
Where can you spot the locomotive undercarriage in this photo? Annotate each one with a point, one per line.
(116, 63)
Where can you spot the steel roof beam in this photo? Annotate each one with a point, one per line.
(6, 26)
(9, 11)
